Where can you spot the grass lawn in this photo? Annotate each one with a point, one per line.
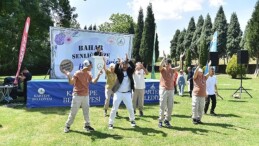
(237, 123)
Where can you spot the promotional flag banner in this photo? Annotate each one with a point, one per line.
(213, 43)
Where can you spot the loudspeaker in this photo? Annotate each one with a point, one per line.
(214, 57)
(242, 57)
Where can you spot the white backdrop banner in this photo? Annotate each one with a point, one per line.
(70, 47)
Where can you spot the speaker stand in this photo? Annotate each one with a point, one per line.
(47, 73)
(241, 88)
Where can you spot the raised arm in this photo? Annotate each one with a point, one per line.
(104, 64)
(196, 72)
(71, 80)
(145, 70)
(98, 76)
(208, 74)
(162, 63)
(181, 65)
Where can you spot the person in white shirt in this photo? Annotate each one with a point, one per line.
(211, 89)
(139, 85)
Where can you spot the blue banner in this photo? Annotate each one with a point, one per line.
(213, 43)
(58, 93)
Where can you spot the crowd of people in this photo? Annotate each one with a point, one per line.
(125, 81)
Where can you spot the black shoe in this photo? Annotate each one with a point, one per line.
(213, 114)
(89, 128)
(160, 125)
(167, 124)
(194, 121)
(141, 113)
(117, 114)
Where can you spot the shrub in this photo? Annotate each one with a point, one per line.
(233, 69)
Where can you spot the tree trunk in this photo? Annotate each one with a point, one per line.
(257, 67)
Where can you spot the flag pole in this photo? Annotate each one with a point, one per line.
(153, 75)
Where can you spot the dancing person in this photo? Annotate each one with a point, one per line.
(211, 89)
(98, 51)
(80, 80)
(198, 94)
(181, 83)
(166, 91)
(111, 78)
(190, 80)
(122, 89)
(139, 87)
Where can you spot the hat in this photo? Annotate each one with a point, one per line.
(112, 65)
(86, 63)
(200, 70)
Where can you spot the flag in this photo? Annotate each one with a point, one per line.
(213, 43)
(22, 48)
(206, 69)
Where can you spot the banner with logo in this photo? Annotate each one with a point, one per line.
(70, 47)
(58, 93)
(22, 47)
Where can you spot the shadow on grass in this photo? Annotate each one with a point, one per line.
(98, 135)
(228, 115)
(145, 131)
(193, 130)
(224, 125)
(1, 126)
(182, 116)
(236, 101)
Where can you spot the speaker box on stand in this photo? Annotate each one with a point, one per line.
(214, 58)
(242, 57)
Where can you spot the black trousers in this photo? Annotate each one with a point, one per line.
(207, 103)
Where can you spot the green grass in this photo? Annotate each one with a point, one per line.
(236, 124)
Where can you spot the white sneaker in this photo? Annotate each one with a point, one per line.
(66, 129)
(133, 124)
(110, 126)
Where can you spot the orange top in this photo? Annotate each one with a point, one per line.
(82, 81)
(199, 86)
(167, 78)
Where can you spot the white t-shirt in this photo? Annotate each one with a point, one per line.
(125, 85)
(210, 85)
(139, 79)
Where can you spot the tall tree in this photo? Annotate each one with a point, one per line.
(147, 41)
(189, 34)
(85, 28)
(180, 44)
(234, 35)
(253, 36)
(138, 35)
(94, 27)
(173, 46)
(121, 23)
(206, 32)
(90, 27)
(188, 60)
(196, 37)
(203, 47)
(156, 47)
(220, 25)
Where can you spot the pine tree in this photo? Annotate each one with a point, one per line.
(180, 44)
(65, 13)
(234, 35)
(94, 27)
(196, 37)
(90, 27)
(188, 60)
(147, 41)
(156, 47)
(138, 35)
(206, 32)
(173, 47)
(203, 47)
(189, 34)
(220, 25)
(252, 38)
(85, 28)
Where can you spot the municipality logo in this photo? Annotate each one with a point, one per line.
(41, 91)
(120, 41)
(153, 87)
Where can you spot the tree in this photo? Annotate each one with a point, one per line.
(85, 28)
(156, 47)
(196, 37)
(188, 60)
(180, 44)
(189, 34)
(120, 23)
(220, 25)
(94, 27)
(90, 27)
(138, 35)
(234, 35)
(203, 57)
(147, 41)
(252, 37)
(173, 47)
(233, 69)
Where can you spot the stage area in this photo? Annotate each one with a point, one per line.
(58, 93)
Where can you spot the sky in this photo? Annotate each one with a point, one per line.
(170, 15)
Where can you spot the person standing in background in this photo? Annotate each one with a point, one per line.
(110, 81)
(139, 84)
(212, 91)
(181, 83)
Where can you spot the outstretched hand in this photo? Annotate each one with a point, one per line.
(67, 73)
